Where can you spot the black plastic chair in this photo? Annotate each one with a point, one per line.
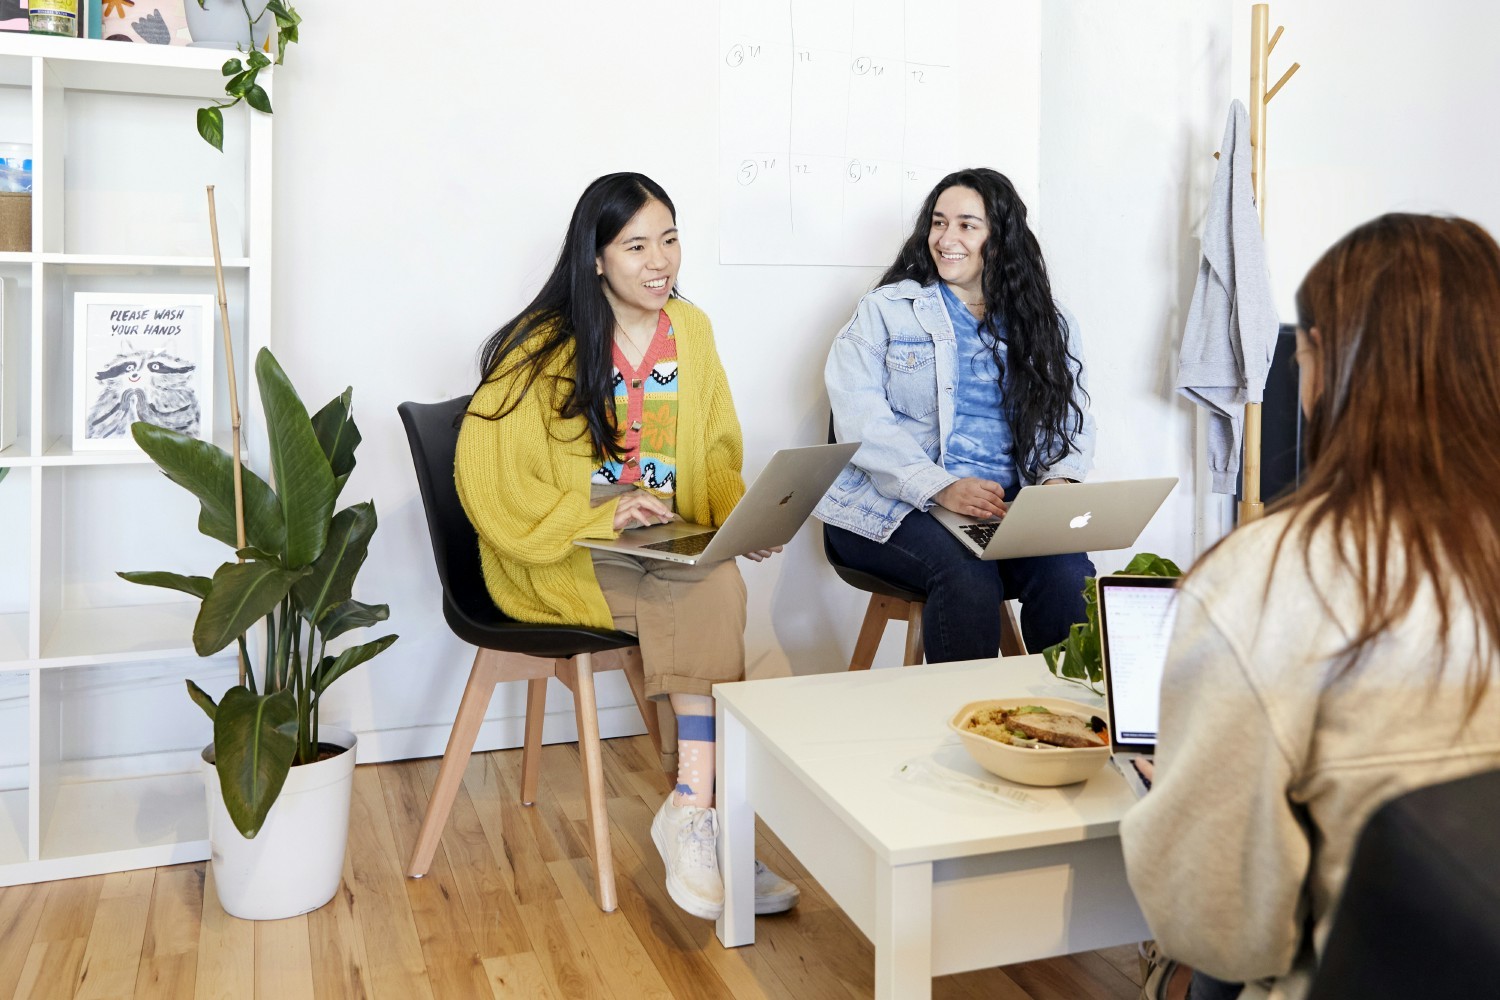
(893, 602)
(508, 651)
(1420, 912)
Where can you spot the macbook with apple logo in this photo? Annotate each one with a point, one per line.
(1068, 517)
(769, 514)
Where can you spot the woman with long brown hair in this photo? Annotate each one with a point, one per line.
(1342, 650)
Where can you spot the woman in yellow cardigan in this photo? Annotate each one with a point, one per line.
(603, 407)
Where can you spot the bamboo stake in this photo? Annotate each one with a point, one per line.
(234, 399)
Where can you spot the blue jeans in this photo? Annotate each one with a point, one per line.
(961, 620)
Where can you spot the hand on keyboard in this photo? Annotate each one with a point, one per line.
(1147, 768)
(973, 497)
(640, 509)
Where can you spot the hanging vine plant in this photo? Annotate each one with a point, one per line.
(241, 84)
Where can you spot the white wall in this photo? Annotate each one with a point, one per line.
(1133, 99)
(423, 178)
(422, 191)
(1392, 111)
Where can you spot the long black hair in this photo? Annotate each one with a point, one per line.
(1036, 369)
(572, 314)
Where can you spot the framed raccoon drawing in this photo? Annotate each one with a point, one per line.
(144, 357)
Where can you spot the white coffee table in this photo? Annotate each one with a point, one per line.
(940, 881)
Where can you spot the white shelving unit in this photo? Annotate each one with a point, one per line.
(96, 774)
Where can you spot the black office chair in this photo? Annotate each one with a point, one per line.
(508, 651)
(1420, 911)
(893, 602)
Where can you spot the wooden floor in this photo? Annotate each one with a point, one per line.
(506, 911)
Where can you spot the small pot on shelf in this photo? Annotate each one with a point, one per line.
(221, 24)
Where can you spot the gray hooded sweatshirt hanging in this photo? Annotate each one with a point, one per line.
(1231, 325)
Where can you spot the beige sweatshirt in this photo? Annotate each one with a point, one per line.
(1268, 767)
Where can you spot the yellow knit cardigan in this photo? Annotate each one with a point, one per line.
(524, 480)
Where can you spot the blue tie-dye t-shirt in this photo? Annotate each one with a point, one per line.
(980, 443)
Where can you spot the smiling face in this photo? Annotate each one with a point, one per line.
(956, 240)
(639, 266)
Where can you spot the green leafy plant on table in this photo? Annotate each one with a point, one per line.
(1077, 658)
(242, 85)
(296, 574)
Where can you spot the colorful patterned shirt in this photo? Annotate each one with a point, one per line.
(646, 413)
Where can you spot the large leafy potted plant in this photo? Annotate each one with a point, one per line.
(295, 573)
(1078, 658)
(240, 84)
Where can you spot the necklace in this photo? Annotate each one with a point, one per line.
(955, 290)
(626, 339)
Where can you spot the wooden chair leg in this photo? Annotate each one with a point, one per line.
(531, 748)
(915, 647)
(1011, 643)
(476, 699)
(635, 675)
(870, 631)
(587, 711)
(667, 721)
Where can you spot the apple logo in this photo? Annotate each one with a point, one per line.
(1081, 520)
(786, 498)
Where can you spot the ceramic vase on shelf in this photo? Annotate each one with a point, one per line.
(222, 24)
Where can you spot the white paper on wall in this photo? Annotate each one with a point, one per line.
(836, 119)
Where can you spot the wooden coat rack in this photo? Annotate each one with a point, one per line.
(1251, 507)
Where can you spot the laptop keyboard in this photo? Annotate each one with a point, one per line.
(687, 545)
(982, 532)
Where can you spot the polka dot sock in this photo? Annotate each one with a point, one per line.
(695, 761)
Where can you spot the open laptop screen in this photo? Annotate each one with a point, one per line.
(1135, 616)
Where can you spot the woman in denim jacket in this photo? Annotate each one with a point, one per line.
(963, 380)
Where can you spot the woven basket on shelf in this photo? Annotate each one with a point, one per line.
(15, 220)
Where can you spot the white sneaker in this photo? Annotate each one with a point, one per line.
(687, 839)
(773, 894)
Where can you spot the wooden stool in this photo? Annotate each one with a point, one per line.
(887, 607)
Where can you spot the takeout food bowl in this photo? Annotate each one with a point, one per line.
(1029, 765)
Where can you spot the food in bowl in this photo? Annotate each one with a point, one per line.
(1037, 727)
(992, 740)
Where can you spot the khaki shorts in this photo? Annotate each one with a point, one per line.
(690, 619)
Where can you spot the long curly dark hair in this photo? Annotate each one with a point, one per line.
(574, 315)
(1037, 369)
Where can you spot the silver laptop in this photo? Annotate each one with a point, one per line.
(1049, 520)
(769, 514)
(1136, 614)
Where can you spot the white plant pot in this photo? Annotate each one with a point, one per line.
(295, 862)
(222, 25)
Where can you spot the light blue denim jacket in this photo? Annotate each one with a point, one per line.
(891, 378)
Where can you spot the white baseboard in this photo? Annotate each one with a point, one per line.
(495, 734)
(375, 746)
